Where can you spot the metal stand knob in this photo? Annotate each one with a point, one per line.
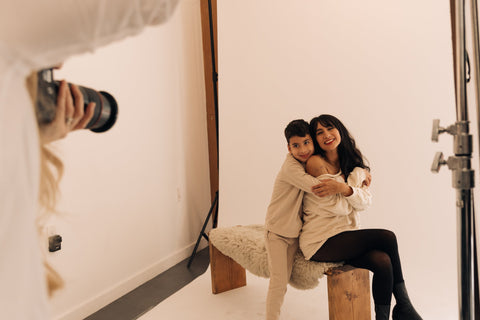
(438, 161)
(437, 130)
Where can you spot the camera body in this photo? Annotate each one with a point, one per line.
(106, 108)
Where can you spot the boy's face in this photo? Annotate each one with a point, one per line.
(301, 148)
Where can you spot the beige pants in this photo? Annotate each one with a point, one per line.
(281, 252)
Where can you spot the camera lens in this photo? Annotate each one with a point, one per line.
(106, 109)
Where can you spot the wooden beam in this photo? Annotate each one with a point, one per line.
(210, 90)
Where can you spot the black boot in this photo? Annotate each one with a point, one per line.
(404, 309)
(382, 311)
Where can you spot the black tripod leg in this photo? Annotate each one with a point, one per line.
(477, 291)
(215, 215)
(475, 273)
(202, 233)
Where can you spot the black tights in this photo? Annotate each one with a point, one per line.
(372, 249)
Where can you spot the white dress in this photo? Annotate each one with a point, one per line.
(36, 34)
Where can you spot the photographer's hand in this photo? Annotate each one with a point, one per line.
(80, 117)
(69, 114)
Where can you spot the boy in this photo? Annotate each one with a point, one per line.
(284, 214)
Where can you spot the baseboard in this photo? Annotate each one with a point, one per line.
(111, 294)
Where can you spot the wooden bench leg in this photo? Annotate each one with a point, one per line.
(348, 294)
(226, 273)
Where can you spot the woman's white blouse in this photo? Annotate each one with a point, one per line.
(324, 217)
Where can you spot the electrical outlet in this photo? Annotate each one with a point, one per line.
(54, 243)
(179, 195)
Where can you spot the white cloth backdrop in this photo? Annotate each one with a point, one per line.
(385, 69)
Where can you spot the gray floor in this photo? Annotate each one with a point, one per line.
(145, 297)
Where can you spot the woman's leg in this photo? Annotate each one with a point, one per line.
(377, 251)
(351, 245)
(382, 283)
(372, 249)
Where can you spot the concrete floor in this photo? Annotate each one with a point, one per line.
(147, 296)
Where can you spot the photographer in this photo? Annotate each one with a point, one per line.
(35, 35)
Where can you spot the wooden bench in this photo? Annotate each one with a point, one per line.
(348, 287)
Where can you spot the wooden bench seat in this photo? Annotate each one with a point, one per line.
(348, 287)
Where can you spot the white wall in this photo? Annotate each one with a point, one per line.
(134, 198)
(385, 69)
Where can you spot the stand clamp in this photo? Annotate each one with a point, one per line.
(460, 164)
(462, 174)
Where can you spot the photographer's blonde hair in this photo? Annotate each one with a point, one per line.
(51, 171)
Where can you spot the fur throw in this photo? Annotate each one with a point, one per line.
(246, 245)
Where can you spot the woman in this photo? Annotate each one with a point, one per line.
(36, 35)
(330, 232)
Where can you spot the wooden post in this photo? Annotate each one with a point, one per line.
(209, 88)
(226, 273)
(348, 293)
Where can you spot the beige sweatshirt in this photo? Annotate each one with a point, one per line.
(327, 216)
(284, 214)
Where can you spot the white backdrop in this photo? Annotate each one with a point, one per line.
(385, 69)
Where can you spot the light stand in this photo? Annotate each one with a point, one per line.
(460, 164)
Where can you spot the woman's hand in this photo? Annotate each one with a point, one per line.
(329, 187)
(69, 116)
(368, 179)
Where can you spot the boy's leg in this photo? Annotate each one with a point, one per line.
(281, 252)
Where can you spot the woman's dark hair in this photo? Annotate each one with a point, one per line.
(348, 154)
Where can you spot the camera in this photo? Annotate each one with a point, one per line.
(106, 108)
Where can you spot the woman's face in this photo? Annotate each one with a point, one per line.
(328, 137)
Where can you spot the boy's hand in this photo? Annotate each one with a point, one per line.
(329, 187)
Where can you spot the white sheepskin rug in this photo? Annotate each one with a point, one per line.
(246, 245)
